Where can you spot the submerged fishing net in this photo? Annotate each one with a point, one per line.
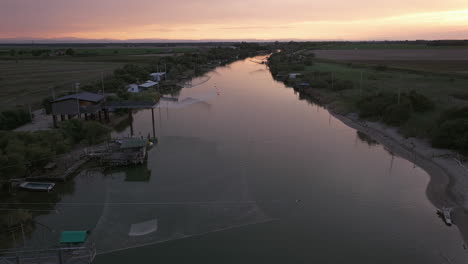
(203, 192)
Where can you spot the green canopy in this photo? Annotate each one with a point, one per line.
(73, 236)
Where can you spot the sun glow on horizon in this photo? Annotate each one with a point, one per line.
(209, 19)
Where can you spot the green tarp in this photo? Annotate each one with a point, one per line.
(73, 237)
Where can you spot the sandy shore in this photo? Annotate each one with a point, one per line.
(448, 185)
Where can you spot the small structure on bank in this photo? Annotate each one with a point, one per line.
(158, 76)
(136, 88)
(148, 84)
(294, 75)
(128, 151)
(85, 103)
(133, 88)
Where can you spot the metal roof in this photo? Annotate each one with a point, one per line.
(129, 104)
(157, 73)
(133, 143)
(148, 84)
(84, 96)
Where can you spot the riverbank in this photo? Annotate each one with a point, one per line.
(448, 185)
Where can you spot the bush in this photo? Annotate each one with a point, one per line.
(420, 103)
(78, 130)
(374, 106)
(381, 67)
(339, 85)
(95, 132)
(12, 119)
(46, 104)
(397, 114)
(452, 134)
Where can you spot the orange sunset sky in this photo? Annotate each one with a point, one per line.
(234, 19)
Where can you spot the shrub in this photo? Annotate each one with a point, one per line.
(12, 119)
(452, 134)
(397, 114)
(78, 130)
(374, 106)
(420, 103)
(339, 85)
(381, 67)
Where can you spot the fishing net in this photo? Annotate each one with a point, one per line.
(203, 193)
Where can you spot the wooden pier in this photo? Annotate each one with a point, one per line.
(67, 255)
(122, 152)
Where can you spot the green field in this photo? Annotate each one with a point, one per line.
(24, 52)
(29, 81)
(370, 45)
(444, 90)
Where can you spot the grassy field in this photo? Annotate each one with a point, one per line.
(433, 60)
(439, 88)
(24, 52)
(28, 81)
(380, 46)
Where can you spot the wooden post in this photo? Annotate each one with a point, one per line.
(54, 118)
(60, 256)
(131, 122)
(152, 118)
(62, 117)
(100, 118)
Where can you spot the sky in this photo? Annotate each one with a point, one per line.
(234, 19)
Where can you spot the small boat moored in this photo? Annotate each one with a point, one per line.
(37, 186)
(445, 213)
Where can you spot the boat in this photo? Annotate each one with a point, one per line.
(37, 186)
(445, 213)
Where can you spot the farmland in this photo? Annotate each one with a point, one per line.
(28, 81)
(433, 60)
(28, 74)
(343, 83)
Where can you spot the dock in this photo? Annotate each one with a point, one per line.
(122, 152)
(61, 255)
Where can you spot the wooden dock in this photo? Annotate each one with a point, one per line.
(60, 176)
(70, 255)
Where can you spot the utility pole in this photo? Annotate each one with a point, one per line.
(360, 87)
(332, 80)
(24, 238)
(102, 82)
(399, 92)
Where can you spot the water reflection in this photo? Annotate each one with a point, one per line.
(367, 139)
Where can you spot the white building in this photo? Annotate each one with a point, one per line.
(148, 84)
(294, 75)
(158, 76)
(133, 88)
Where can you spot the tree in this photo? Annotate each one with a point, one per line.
(12, 52)
(70, 52)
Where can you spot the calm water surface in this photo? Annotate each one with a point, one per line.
(246, 172)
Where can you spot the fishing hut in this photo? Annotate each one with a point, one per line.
(128, 151)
